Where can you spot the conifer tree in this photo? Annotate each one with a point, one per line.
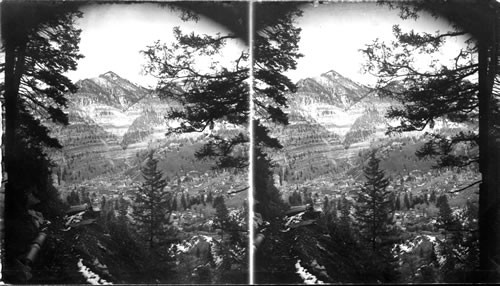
(345, 207)
(40, 41)
(463, 90)
(210, 197)
(432, 197)
(374, 220)
(153, 204)
(174, 203)
(183, 202)
(407, 201)
(397, 204)
(221, 213)
(326, 204)
(373, 207)
(445, 216)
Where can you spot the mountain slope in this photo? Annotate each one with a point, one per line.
(106, 115)
(331, 119)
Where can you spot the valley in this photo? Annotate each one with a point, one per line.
(334, 123)
(113, 126)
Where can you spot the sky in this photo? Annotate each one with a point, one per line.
(113, 34)
(333, 33)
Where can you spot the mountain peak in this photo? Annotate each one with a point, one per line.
(109, 74)
(332, 73)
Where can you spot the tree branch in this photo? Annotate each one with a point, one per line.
(466, 187)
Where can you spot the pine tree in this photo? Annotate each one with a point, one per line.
(407, 201)
(291, 200)
(40, 41)
(209, 197)
(153, 204)
(432, 197)
(446, 91)
(174, 203)
(326, 204)
(445, 216)
(189, 202)
(103, 203)
(183, 202)
(345, 206)
(373, 207)
(374, 220)
(221, 213)
(397, 204)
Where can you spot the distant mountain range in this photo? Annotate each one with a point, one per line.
(332, 120)
(111, 119)
(332, 88)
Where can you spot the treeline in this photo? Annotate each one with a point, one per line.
(87, 166)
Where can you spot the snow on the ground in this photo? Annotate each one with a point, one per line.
(431, 238)
(74, 218)
(294, 219)
(217, 258)
(91, 277)
(307, 277)
(410, 245)
(187, 245)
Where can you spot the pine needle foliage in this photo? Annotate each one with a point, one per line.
(153, 205)
(374, 205)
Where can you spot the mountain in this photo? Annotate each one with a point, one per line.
(332, 119)
(109, 89)
(332, 88)
(110, 120)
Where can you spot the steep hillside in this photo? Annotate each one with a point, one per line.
(331, 119)
(88, 150)
(333, 122)
(110, 120)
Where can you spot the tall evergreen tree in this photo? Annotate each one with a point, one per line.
(373, 206)
(345, 211)
(326, 204)
(407, 201)
(40, 41)
(397, 204)
(432, 197)
(445, 216)
(183, 202)
(41, 45)
(463, 90)
(374, 220)
(222, 93)
(153, 204)
(174, 203)
(221, 219)
(210, 197)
